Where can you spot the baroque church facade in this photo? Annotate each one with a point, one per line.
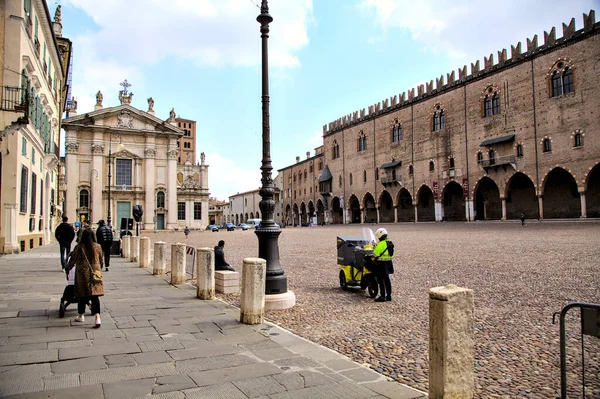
(119, 157)
(518, 136)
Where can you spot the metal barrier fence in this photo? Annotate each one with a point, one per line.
(590, 325)
(190, 261)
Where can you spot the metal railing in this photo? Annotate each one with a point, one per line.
(386, 180)
(486, 163)
(590, 325)
(14, 98)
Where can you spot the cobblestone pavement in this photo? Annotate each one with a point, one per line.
(520, 277)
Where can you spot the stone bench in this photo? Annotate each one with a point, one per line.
(227, 282)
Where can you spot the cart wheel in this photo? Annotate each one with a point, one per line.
(61, 310)
(343, 284)
(373, 287)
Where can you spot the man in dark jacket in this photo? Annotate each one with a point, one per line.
(104, 237)
(64, 234)
(220, 263)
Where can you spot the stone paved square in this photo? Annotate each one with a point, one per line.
(520, 277)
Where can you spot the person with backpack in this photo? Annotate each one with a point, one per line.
(382, 256)
(104, 237)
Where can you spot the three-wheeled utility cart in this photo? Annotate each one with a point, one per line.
(356, 266)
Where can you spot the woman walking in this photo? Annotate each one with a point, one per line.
(87, 256)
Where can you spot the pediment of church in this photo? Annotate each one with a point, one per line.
(125, 154)
(123, 117)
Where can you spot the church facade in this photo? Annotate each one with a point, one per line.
(518, 136)
(118, 157)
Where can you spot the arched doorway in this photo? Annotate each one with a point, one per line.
(425, 206)
(354, 206)
(288, 214)
(311, 211)
(561, 199)
(337, 213)
(405, 210)
(369, 208)
(386, 208)
(303, 216)
(251, 215)
(295, 215)
(592, 193)
(454, 202)
(521, 198)
(488, 205)
(320, 212)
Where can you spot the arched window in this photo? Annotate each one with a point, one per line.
(394, 174)
(396, 132)
(492, 155)
(350, 178)
(84, 199)
(294, 177)
(160, 199)
(376, 174)
(547, 145)
(411, 170)
(451, 162)
(305, 173)
(491, 101)
(519, 150)
(362, 142)
(300, 176)
(364, 176)
(438, 118)
(340, 181)
(320, 165)
(431, 166)
(578, 140)
(479, 157)
(562, 79)
(335, 153)
(496, 104)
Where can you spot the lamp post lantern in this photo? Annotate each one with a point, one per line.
(268, 232)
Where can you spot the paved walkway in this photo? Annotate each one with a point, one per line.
(158, 341)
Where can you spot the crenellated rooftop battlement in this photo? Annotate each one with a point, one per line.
(424, 91)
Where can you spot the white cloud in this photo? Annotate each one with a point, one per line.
(465, 30)
(226, 177)
(316, 139)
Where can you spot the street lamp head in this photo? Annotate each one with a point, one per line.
(120, 147)
(264, 18)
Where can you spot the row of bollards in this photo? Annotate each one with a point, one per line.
(451, 340)
(252, 307)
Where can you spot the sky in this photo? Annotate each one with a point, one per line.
(327, 58)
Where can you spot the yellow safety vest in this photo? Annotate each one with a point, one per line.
(380, 252)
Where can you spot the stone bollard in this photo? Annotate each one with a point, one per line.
(451, 343)
(205, 269)
(160, 258)
(144, 252)
(126, 246)
(178, 263)
(252, 301)
(134, 250)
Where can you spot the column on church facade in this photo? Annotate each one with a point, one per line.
(149, 184)
(72, 178)
(172, 184)
(97, 180)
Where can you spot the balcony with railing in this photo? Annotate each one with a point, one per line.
(508, 160)
(391, 180)
(14, 99)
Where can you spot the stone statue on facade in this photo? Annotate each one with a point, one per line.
(172, 114)
(99, 98)
(150, 104)
(202, 158)
(73, 104)
(58, 15)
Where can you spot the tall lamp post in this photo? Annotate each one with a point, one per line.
(120, 148)
(277, 295)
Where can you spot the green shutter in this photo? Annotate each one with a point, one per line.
(36, 28)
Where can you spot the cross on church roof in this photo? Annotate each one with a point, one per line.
(125, 85)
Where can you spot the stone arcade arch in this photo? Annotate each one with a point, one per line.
(295, 215)
(592, 193)
(337, 213)
(386, 208)
(426, 205)
(454, 202)
(320, 212)
(354, 206)
(521, 197)
(561, 198)
(311, 210)
(251, 215)
(488, 205)
(370, 211)
(303, 215)
(405, 209)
